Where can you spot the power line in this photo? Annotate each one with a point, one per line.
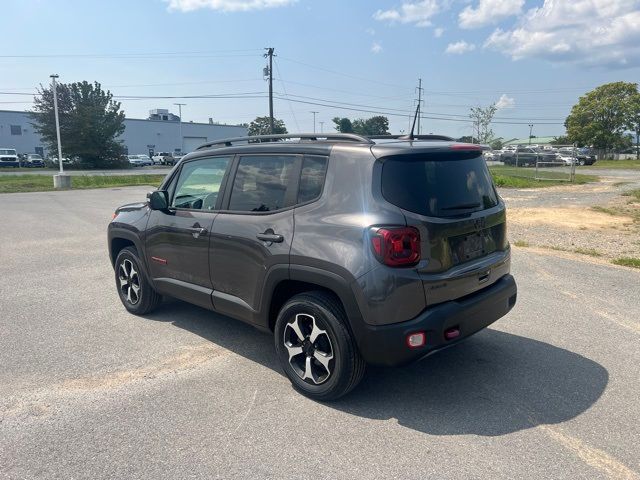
(285, 93)
(213, 53)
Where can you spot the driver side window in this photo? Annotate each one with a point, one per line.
(199, 183)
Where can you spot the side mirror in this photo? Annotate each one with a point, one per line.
(158, 200)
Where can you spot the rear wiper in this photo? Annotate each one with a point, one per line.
(461, 206)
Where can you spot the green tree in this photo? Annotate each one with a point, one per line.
(90, 122)
(633, 122)
(601, 117)
(261, 126)
(482, 118)
(496, 144)
(561, 140)
(378, 125)
(343, 125)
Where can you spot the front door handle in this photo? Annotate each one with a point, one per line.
(269, 236)
(197, 230)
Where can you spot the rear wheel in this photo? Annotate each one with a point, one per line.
(315, 348)
(134, 289)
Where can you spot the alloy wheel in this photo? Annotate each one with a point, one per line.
(309, 348)
(129, 281)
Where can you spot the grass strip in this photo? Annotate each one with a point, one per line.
(628, 262)
(512, 177)
(43, 183)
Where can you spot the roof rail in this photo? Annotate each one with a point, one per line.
(345, 137)
(443, 138)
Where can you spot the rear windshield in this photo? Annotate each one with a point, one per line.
(436, 186)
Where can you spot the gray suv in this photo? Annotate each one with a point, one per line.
(348, 250)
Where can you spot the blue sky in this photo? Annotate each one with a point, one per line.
(535, 57)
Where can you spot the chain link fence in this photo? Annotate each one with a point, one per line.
(556, 164)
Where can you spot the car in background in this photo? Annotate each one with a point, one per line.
(33, 160)
(583, 156)
(139, 160)
(166, 158)
(524, 156)
(9, 158)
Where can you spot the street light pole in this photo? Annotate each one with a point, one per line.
(314, 121)
(55, 111)
(530, 132)
(180, 105)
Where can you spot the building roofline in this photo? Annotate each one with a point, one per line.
(144, 120)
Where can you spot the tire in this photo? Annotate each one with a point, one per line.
(129, 269)
(335, 376)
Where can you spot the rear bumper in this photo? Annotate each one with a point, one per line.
(386, 345)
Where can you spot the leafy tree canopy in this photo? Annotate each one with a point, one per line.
(601, 117)
(90, 122)
(260, 126)
(378, 125)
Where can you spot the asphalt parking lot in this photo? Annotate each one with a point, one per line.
(90, 391)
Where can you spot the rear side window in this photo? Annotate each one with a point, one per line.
(261, 183)
(438, 186)
(312, 176)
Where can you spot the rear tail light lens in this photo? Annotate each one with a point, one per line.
(396, 247)
(416, 340)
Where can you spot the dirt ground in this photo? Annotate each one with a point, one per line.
(595, 219)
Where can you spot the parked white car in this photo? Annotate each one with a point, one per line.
(140, 160)
(9, 157)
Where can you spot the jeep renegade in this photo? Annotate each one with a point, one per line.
(349, 250)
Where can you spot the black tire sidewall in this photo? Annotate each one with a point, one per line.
(145, 288)
(336, 331)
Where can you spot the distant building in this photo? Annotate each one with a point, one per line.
(534, 141)
(140, 135)
(163, 115)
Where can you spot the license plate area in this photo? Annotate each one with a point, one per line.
(467, 247)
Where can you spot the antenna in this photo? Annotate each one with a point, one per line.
(413, 127)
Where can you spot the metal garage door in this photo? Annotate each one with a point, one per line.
(191, 143)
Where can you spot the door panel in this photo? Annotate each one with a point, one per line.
(177, 249)
(239, 260)
(177, 241)
(248, 239)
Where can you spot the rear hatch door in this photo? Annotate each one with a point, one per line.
(448, 195)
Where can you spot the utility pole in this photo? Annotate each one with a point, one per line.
(180, 105)
(530, 132)
(321, 127)
(269, 54)
(419, 101)
(314, 120)
(55, 111)
(61, 180)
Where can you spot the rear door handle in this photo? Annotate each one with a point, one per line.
(270, 237)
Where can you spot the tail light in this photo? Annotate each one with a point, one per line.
(396, 247)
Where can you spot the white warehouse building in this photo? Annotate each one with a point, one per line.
(159, 133)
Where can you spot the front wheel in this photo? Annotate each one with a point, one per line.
(315, 348)
(134, 289)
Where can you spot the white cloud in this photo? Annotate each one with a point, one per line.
(438, 32)
(376, 47)
(227, 5)
(459, 48)
(505, 101)
(488, 12)
(417, 13)
(584, 32)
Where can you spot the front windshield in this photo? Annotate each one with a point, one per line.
(7, 151)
